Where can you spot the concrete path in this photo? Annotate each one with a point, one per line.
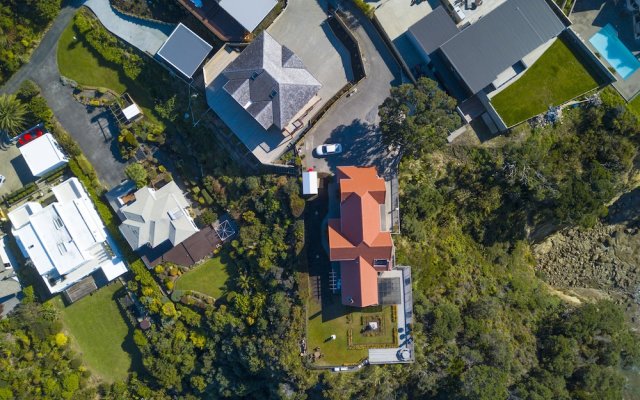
(145, 35)
(91, 128)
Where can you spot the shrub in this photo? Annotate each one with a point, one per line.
(297, 205)
(28, 90)
(208, 217)
(138, 174)
(366, 8)
(207, 197)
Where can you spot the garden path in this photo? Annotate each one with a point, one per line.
(148, 36)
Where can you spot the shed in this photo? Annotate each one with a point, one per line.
(43, 155)
(310, 182)
(131, 112)
(184, 50)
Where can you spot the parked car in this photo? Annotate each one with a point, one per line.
(2, 179)
(328, 149)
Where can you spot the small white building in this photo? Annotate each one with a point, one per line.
(310, 182)
(43, 155)
(66, 241)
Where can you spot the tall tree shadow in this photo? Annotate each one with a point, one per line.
(362, 146)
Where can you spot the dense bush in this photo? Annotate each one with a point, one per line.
(22, 23)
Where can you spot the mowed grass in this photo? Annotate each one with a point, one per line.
(209, 278)
(99, 333)
(333, 318)
(78, 61)
(556, 77)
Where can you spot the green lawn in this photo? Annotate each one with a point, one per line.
(556, 77)
(100, 333)
(336, 319)
(208, 278)
(77, 61)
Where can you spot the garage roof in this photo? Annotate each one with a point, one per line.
(248, 13)
(310, 182)
(43, 155)
(184, 50)
(433, 30)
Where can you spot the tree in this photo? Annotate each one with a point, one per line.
(446, 321)
(12, 113)
(484, 383)
(137, 173)
(417, 118)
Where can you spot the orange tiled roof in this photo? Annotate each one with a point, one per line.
(355, 239)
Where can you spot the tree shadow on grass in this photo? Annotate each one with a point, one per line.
(128, 345)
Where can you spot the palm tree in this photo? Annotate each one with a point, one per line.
(244, 282)
(12, 113)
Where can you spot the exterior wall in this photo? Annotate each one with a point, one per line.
(419, 48)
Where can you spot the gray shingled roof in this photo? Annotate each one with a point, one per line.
(500, 39)
(270, 82)
(184, 50)
(434, 30)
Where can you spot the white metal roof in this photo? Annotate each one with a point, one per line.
(310, 182)
(43, 155)
(66, 241)
(131, 112)
(248, 13)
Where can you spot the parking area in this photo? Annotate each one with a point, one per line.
(353, 120)
(302, 27)
(14, 168)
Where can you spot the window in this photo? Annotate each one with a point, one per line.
(380, 262)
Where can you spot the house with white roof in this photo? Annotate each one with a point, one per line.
(43, 155)
(153, 217)
(66, 241)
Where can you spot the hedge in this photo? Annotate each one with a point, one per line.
(21, 193)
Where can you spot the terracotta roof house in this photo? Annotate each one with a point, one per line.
(356, 239)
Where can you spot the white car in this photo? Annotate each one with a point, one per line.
(327, 149)
(2, 179)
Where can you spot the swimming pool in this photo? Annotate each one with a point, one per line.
(614, 51)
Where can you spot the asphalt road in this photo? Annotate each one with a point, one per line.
(353, 121)
(91, 128)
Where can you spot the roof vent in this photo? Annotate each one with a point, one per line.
(273, 94)
(254, 75)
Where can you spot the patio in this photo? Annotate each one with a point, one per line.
(14, 168)
(589, 16)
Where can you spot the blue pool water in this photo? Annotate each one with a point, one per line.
(614, 51)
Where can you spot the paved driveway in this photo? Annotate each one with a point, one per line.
(353, 120)
(14, 168)
(147, 36)
(89, 128)
(302, 28)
